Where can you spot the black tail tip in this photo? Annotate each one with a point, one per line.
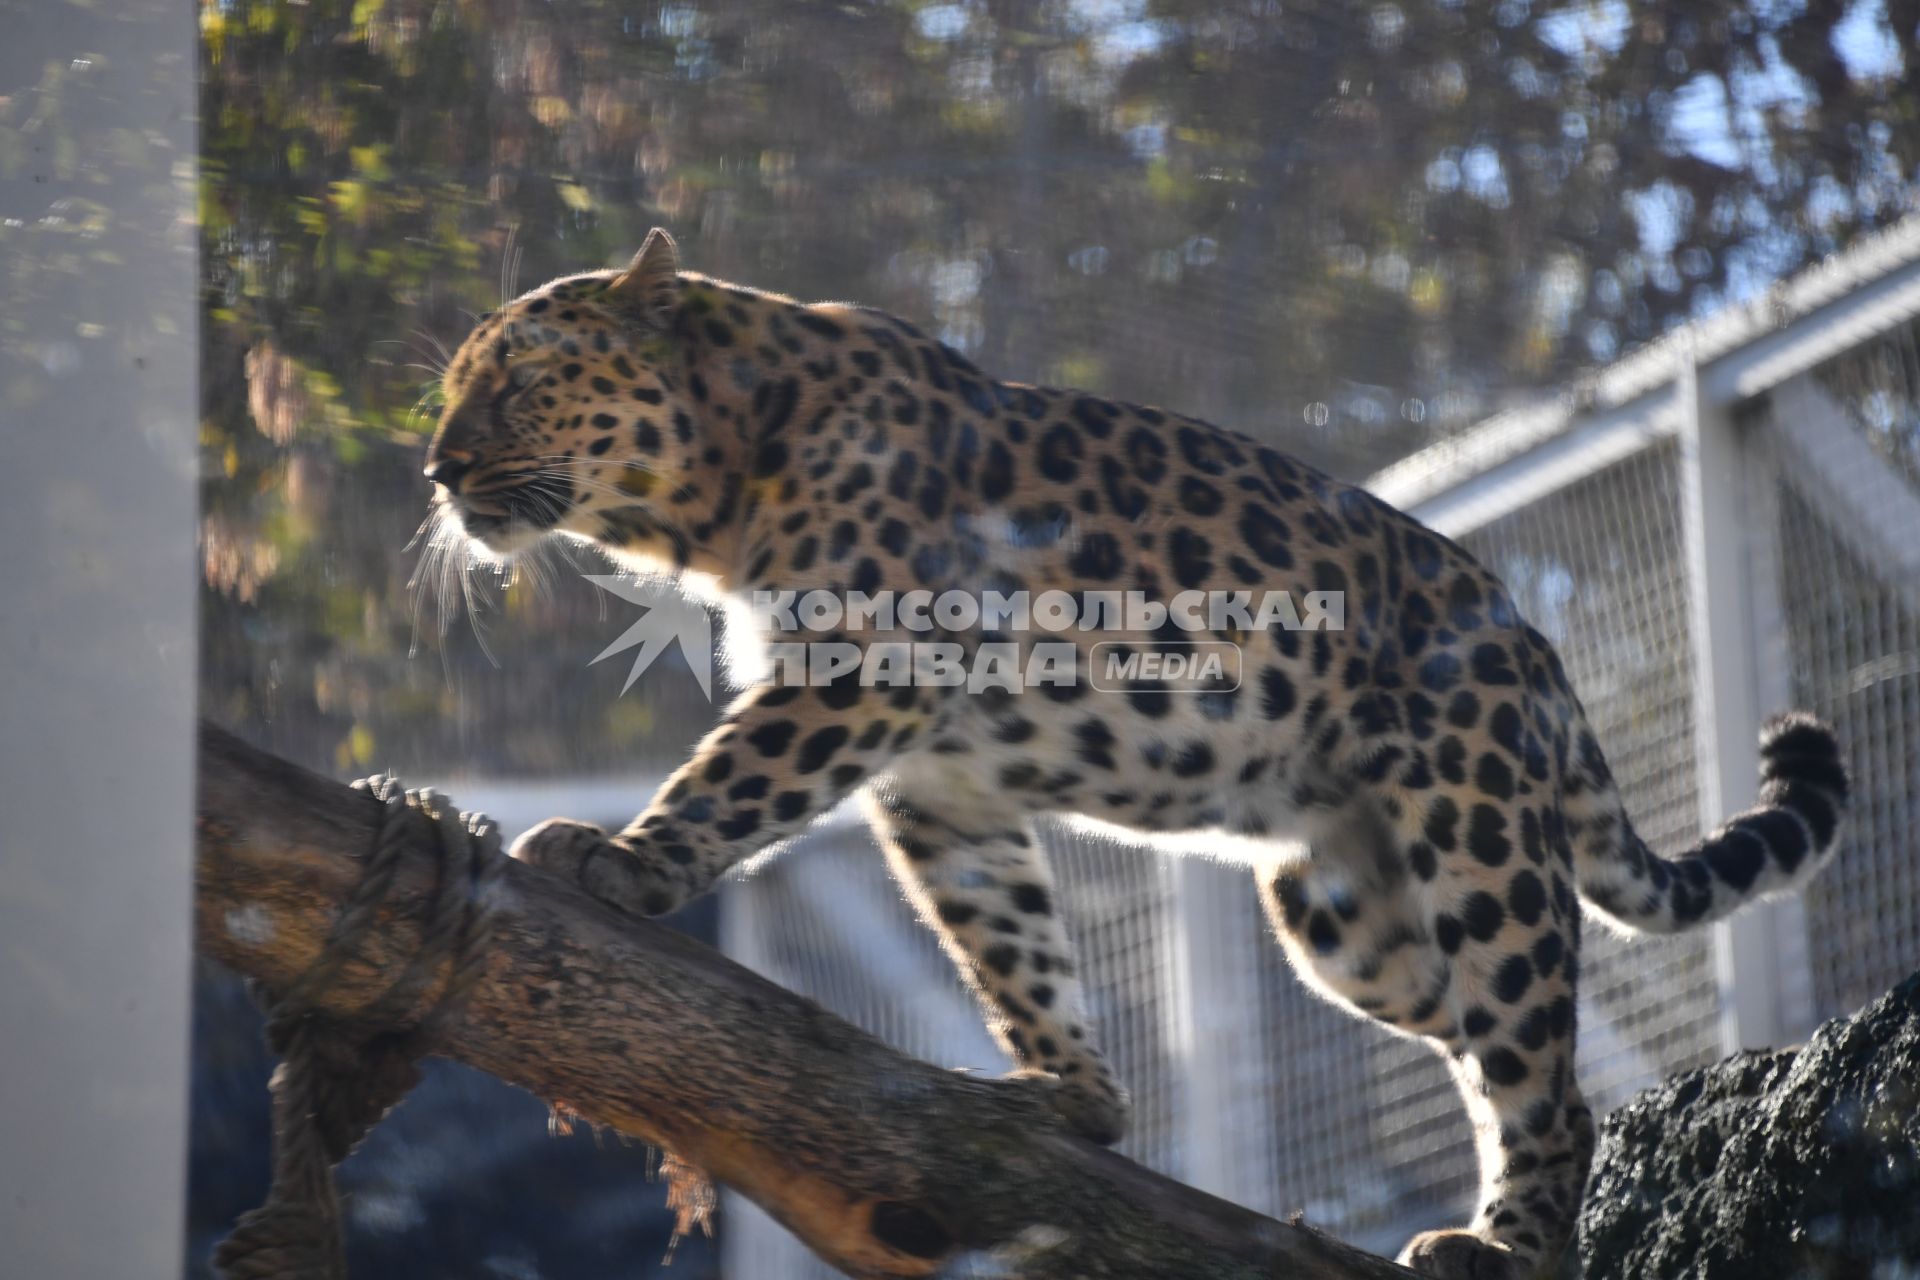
(1800, 748)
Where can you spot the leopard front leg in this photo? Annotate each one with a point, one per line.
(981, 882)
(782, 756)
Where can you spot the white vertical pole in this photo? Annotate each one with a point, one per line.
(1215, 1031)
(1728, 600)
(1791, 955)
(752, 1244)
(97, 642)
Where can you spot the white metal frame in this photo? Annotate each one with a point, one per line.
(1688, 386)
(1740, 352)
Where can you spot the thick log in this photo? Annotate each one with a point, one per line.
(885, 1166)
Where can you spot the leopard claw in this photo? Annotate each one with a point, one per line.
(600, 864)
(1461, 1255)
(1098, 1114)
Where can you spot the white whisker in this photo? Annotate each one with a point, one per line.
(506, 261)
(473, 617)
(439, 347)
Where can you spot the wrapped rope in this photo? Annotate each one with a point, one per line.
(337, 1078)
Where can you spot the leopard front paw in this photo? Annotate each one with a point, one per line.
(609, 867)
(1462, 1255)
(1096, 1109)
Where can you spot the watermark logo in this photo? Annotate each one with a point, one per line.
(1021, 612)
(1111, 641)
(662, 626)
(1176, 666)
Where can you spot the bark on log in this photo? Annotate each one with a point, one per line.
(885, 1166)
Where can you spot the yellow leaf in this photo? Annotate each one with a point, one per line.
(1427, 291)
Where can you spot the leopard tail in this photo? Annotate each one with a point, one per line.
(1773, 848)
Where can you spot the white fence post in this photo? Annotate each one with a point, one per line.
(1212, 995)
(1730, 602)
(1792, 959)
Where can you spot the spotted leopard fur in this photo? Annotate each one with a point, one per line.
(1419, 792)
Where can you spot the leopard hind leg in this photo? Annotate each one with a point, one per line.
(1407, 909)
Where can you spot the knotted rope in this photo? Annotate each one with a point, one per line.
(337, 1077)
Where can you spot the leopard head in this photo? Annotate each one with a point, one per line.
(568, 411)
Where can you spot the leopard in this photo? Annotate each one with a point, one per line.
(1417, 790)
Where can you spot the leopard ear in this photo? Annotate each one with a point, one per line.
(648, 289)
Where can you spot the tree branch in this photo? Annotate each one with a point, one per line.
(885, 1166)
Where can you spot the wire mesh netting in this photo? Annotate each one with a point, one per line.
(1849, 525)
(1600, 568)
(1877, 387)
(1856, 657)
(1337, 1155)
(1120, 920)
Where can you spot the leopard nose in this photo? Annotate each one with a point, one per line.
(447, 471)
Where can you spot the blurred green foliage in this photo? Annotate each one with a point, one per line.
(1345, 227)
